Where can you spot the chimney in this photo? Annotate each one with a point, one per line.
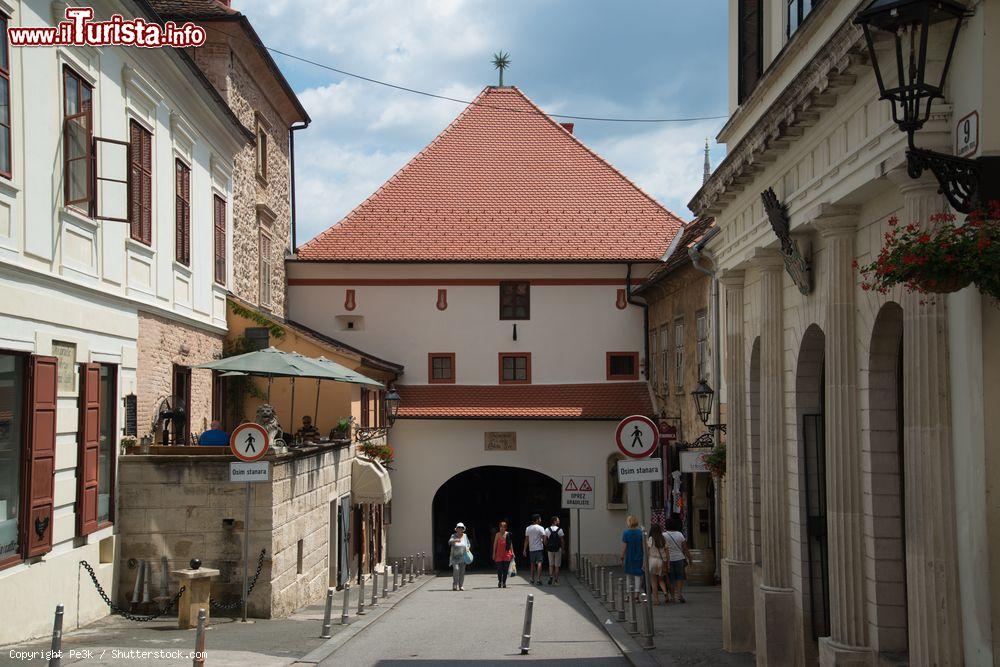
(568, 127)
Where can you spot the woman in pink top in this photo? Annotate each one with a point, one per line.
(503, 554)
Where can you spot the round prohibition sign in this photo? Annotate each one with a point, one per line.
(637, 436)
(249, 442)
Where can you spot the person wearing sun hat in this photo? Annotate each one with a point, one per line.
(459, 545)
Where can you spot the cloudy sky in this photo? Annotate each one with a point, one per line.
(609, 58)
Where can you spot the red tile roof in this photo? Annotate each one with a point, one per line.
(691, 234)
(193, 8)
(503, 182)
(607, 400)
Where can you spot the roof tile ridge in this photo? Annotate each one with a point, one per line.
(600, 159)
(398, 172)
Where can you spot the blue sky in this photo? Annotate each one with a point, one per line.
(617, 58)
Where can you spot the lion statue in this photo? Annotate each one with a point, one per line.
(266, 418)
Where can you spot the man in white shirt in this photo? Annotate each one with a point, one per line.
(534, 547)
(554, 537)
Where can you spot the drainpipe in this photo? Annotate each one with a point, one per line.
(697, 252)
(643, 509)
(291, 169)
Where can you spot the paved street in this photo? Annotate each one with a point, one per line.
(482, 625)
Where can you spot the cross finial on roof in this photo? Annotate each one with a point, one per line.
(501, 61)
(708, 166)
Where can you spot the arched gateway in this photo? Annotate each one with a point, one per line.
(481, 497)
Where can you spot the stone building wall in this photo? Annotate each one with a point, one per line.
(177, 506)
(161, 344)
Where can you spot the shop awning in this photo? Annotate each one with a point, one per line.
(369, 482)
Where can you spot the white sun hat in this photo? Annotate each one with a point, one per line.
(459, 525)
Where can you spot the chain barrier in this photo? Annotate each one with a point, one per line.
(121, 612)
(239, 601)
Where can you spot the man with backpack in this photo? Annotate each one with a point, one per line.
(554, 537)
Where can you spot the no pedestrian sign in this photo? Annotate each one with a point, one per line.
(577, 492)
(637, 436)
(249, 442)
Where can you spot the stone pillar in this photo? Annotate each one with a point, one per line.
(737, 567)
(775, 608)
(934, 613)
(847, 643)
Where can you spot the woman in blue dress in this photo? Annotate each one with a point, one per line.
(631, 557)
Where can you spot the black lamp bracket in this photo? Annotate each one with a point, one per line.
(967, 183)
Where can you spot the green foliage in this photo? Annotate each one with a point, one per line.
(273, 328)
(715, 460)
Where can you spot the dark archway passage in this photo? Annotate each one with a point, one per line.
(481, 497)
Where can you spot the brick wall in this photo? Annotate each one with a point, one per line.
(161, 344)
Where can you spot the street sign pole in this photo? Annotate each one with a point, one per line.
(578, 527)
(246, 550)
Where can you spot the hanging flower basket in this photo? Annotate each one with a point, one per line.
(715, 461)
(939, 259)
(381, 453)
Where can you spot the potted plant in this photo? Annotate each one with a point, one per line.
(378, 452)
(715, 461)
(342, 431)
(942, 258)
(127, 444)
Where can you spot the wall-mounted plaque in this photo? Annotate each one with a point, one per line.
(66, 354)
(501, 441)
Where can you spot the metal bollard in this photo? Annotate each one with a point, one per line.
(632, 627)
(585, 575)
(423, 563)
(145, 582)
(609, 591)
(345, 613)
(361, 596)
(327, 615)
(646, 632)
(526, 631)
(600, 583)
(199, 641)
(620, 602)
(385, 581)
(137, 591)
(395, 576)
(411, 568)
(57, 625)
(593, 578)
(374, 588)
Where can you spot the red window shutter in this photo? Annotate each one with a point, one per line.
(147, 187)
(41, 459)
(134, 182)
(89, 442)
(364, 409)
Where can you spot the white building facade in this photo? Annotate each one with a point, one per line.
(497, 268)
(861, 458)
(85, 126)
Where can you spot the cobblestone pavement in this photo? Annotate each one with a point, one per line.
(482, 625)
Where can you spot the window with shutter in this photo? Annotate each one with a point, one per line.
(6, 169)
(750, 45)
(365, 417)
(88, 437)
(182, 213)
(140, 183)
(78, 136)
(13, 408)
(220, 239)
(264, 259)
(36, 531)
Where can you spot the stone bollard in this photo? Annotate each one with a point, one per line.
(646, 631)
(395, 576)
(526, 630)
(385, 581)
(423, 563)
(57, 630)
(593, 578)
(199, 640)
(585, 575)
(609, 591)
(345, 613)
(361, 595)
(601, 595)
(620, 602)
(374, 589)
(327, 615)
(197, 593)
(411, 568)
(632, 626)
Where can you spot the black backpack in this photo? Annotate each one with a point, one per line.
(554, 542)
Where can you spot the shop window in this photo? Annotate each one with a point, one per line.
(515, 300)
(515, 368)
(622, 365)
(441, 368)
(13, 392)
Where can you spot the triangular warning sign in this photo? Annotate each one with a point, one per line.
(586, 486)
(571, 486)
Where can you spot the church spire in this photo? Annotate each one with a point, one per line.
(708, 166)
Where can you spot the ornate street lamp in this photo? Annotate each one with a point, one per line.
(703, 396)
(390, 406)
(906, 81)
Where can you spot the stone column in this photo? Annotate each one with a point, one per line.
(775, 608)
(847, 643)
(934, 614)
(737, 567)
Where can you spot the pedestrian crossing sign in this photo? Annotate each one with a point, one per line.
(577, 492)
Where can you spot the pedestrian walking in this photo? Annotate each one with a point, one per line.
(554, 536)
(631, 556)
(503, 554)
(461, 555)
(657, 560)
(534, 547)
(680, 554)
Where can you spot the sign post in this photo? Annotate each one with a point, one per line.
(249, 443)
(578, 494)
